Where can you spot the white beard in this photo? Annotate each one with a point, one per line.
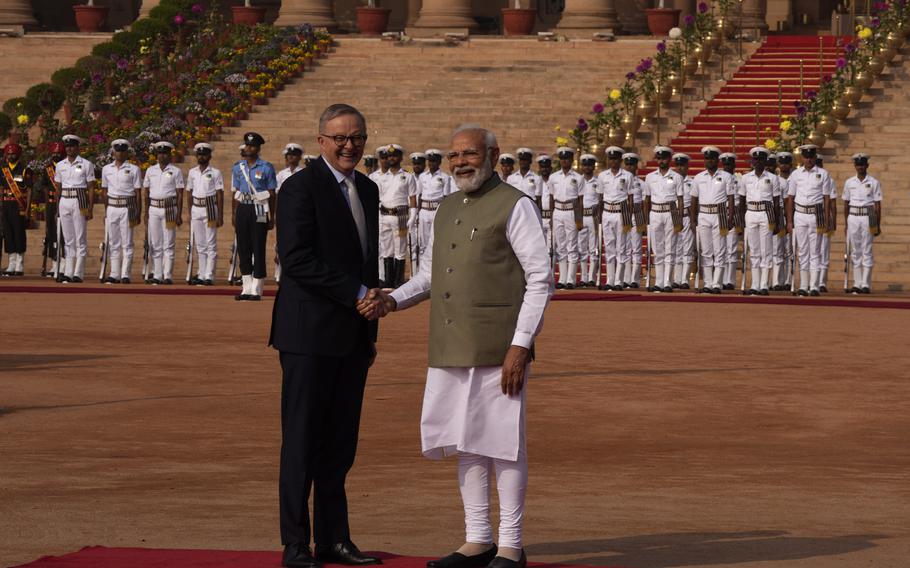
(474, 182)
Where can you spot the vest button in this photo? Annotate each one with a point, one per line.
(447, 295)
(453, 246)
(466, 200)
(450, 270)
(448, 322)
(458, 221)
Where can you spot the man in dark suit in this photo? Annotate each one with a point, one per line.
(328, 237)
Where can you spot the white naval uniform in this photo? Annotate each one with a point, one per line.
(73, 175)
(203, 184)
(121, 183)
(432, 188)
(861, 193)
(464, 410)
(808, 188)
(780, 275)
(733, 237)
(755, 189)
(379, 178)
(546, 208)
(825, 259)
(530, 183)
(162, 184)
(587, 236)
(685, 241)
(394, 192)
(615, 189)
(565, 189)
(664, 189)
(712, 190)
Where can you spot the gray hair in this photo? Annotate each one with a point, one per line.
(488, 137)
(334, 111)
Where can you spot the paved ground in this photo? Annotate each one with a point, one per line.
(659, 435)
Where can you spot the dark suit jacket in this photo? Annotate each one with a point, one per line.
(322, 265)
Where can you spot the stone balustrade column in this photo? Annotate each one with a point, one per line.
(319, 13)
(17, 13)
(589, 16)
(454, 14)
(754, 13)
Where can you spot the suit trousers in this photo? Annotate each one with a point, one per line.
(321, 398)
(14, 240)
(251, 238)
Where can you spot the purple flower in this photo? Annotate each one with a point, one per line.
(78, 84)
(598, 108)
(582, 124)
(826, 78)
(197, 9)
(122, 64)
(689, 20)
(840, 63)
(179, 19)
(630, 76)
(662, 47)
(96, 77)
(801, 110)
(646, 64)
(702, 7)
(850, 48)
(876, 22)
(811, 95)
(639, 68)
(96, 138)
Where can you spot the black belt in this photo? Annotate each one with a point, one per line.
(661, 207)
(199, 202)
(614, 207)
(392, 211)
(805, 209)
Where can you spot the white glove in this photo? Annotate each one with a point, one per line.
(412, 217)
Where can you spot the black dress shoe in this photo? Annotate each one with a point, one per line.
(764, 292)
(459, 560)
(154, 281)
(298, 556)
(124, 280)
(500, 562)
(823, 289)
(208, 282)
(591, 284)
(253, 297)
(242, 297)
(76, 280)
(604, 287)
(668, 289)
(684, 286)
(570, 286)
(802, 292)
(560, 285)
(814, 293)
(167, 281)
(633, 285)
(344, 553)
(865, 290)
(715, 290)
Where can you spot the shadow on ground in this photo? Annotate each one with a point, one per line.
(688, 549)
(10, 362)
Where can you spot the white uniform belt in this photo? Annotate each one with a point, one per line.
(862, 211)
(709, 208)
(806, 209)
(113, 201)
(546, 213)
(564, 205)
(199, 202)
(393, 210)
(162, 203)
(429, 205)
(661, 207)
(614, 207)
(588, 211)
(757, 206)
(71, 192)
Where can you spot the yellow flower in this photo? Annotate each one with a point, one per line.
(557, 128)
(865, 33)
(561, 141)
(771, 145)
(786, 125)
(615, 94)
(22, 119)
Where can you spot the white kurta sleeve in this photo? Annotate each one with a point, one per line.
(524, 232)
(417, 289)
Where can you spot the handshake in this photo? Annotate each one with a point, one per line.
(376, 304)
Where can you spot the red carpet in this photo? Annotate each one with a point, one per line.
(101, 557)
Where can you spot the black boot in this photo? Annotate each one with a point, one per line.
(399, 273)
(386, 282)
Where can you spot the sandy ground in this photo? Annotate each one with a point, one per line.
(660, 434)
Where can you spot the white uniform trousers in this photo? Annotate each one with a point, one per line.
(860, 239)
(615, 247)
(713, 249)
(120, 239)
(425, 230)
(632, 265)
(759, 241)
(391, 243)
(206, 241)
(663, 244)
(780, 255)
(824, 259)
(684, 252)
(73, 226)
(566, 240)
(732, 257)
(161, 244)
(808, 250)
(587, 249)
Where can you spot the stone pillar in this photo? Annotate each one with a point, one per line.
(754, 12)
(413, 12)
(445, 15)
(146, 7)
(319, 13)
(589, 16)
(17, 13)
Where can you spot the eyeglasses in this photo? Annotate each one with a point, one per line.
(358, 140)
(467, 155)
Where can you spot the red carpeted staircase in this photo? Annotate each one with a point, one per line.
(775, 66)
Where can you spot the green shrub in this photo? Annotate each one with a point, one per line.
(47, 96)
(165, 13)
(93, 64)
(109, 49)
(150, 28)
(129, 39)
(65, 77)
(6, 124)
(28, 106)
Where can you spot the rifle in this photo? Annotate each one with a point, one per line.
(742, 287)
(2, 239)
(105, 247)
(45, 252)
(189, 254)
(846, 262)
(600, 251)
(60, 245)
(697, 262)
(647, 260)
(145, 256)
(793, 262)
(232, 269)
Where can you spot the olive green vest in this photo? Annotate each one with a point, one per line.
(478, 283)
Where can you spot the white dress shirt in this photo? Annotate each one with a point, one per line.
(565, 186)
(76, 174)
(663, 188)
(710, 190)
(862, 193)
(397, 188)
(284, 175)
(204, 183)
(121, 181)
(434, 186)
(615, 187)
(759, 188)
(530, 183)
(809, 187)
(590, 193)
(163, 183)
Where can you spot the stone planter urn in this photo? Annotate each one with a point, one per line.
(518, 21)
(662, 20)
(90, 18)
(248, 15)
(373, 20)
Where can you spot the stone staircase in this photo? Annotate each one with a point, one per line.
(33, 58)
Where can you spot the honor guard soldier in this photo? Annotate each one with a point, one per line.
(369, 164)
(782, 276)
(309, 159)
(760, 190)
(525, 179)
(544, 169)
(433, 185)
(615, 202)
(164, 194)
(566, 186)
(418, 167)
(293, 154)
(76, 177)
(832, 227)
(588, 235)
(663, 205)
(205, 199)
(418, 163)
(46, 185)
(121, 188)
(863, 215)
(398, 211)
(253, 184)
(17, 200)
(382, 159)
(712, 214)
(685, 240)
(631, 274)
(506, 165)
(808, 207)
(728, 162)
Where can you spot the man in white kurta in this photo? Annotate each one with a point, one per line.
(477, 411)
